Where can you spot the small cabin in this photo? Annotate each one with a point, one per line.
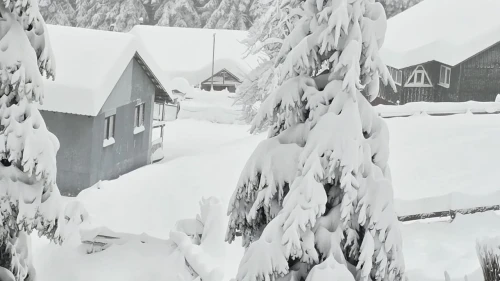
(222, 80)
(100, 106)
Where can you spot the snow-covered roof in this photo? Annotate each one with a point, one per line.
(187, 52)
(448, 31)
(89, 63)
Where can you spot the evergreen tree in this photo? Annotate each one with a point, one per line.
(178, 13)
(101, 14)
(227, 14)
(29, 197)
(265, 36)
(315, 200)
(58, 12)
(394, 7)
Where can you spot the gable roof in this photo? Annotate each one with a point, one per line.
(89, 63)
(448, 31)
(208, 80)
(187, 52)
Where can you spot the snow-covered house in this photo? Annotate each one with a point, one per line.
(444, 50)
(222, 80)
(100, 105)
(188, 53)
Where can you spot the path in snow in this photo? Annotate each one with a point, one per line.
(189, 137)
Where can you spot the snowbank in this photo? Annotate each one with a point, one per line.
(432, 248)
(440, 108)
(216, 106)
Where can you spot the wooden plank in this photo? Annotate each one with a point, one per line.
(449, 213)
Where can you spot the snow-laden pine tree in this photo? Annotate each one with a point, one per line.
(226, 14)
(179, 13)
(58, 12)
(101, 14)
(315, 200)
(265, 36)
(29, 197)
(394, 7)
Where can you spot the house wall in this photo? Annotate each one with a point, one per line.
(477, 78)
(480, 77)
(73, 159)
(436, 93)
(130, 151)
(229, 88)
(82, 160)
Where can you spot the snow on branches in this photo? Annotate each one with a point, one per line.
(316, 197)
(29, 197)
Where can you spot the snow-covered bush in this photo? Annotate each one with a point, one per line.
(315, 199)
(182, 85)
(29, 197)
(200, 242)
(488, 252)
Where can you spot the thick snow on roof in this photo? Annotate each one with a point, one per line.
(448, 31)
(89, 64)
(187, 52)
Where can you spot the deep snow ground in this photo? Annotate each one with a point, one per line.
(190, 137)
(436, 155)
(429, 156)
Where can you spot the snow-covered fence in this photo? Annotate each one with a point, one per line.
(437, 109)
(446, 205)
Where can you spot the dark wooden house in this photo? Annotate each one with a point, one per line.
(222, 80)
(451, 56)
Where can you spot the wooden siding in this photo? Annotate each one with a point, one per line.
(436, 93)
(411, 94)
(480, 79)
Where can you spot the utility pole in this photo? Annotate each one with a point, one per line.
(213, 64)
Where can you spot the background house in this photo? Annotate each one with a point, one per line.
(99, 106)
(188, 53)
(440, 54)
(222, 80)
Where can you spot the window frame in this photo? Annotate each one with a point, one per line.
(111, 119)
(139, 115)
(446, 71)
(412, 80)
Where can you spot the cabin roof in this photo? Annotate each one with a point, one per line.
(208, 80)
(89, 64)
(448, 31)
(187, 52)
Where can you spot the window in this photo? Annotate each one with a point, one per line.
(444, 76)
(397, 76)
(139, 118)
(109, 130)
(139, 115)
(419, 78)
